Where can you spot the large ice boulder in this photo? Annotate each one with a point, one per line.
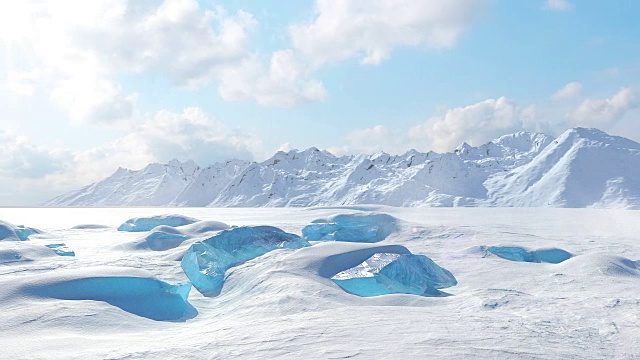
(148, 223)
(206, 262)
(517, 253)
(366, 228)
(9, 231)
(391, 273)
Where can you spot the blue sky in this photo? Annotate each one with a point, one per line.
(86, 87)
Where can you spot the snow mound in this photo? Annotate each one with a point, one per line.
(164, 237)
(148, 223)
(11, 232)
(61, 249)
(89, 227)
(206, 262)
(516, 253)
(131, 290)
(391, 273)
(22, 252)
(367, 228)
(601, 265)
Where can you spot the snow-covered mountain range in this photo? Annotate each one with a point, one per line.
(581, 168)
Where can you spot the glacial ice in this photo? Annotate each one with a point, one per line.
(20, 252)
(516, 253)
(148, 223)
(368, 228)
(206, 262)
(147, 297)
(164, 237)
(9, 231)
(61, 249)
(389, 273)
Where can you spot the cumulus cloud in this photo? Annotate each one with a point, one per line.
(284, 83)
(602, 113)
(371, 30)
(192, 134)
(571, 90)
(371, 140)
(21, 158)
(558, 5)
(77, 50)
(475, 124)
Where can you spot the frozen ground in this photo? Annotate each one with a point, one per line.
(284, 304)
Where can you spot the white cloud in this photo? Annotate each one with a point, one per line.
(372, 140)
(558, 5)
(77, 50)
(192, 134)
(284, 83)
(571, 90)
(603, 113)
(371, 30)
(475, 124)
(21, 158)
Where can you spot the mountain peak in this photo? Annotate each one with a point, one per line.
(583, 167)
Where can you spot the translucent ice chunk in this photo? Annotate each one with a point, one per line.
(366, 228)
(61, 249)
(395, 274)
(516, 253)
(148, 223)
(206, 262)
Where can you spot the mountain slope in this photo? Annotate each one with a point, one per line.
(581, 168)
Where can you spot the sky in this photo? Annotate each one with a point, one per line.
(90, 86)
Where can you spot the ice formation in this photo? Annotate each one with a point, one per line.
(150, 298)
(366, 228)
(165, 237)
(148, 223)
(516, 253)
(9, 231)
(15, 252)
(61, 249)
(206, 262)
(390, 273)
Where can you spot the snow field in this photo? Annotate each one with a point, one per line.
(284, 303)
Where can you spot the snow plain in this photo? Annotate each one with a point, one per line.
(280, 306)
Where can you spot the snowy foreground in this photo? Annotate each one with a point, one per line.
(284, 304)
